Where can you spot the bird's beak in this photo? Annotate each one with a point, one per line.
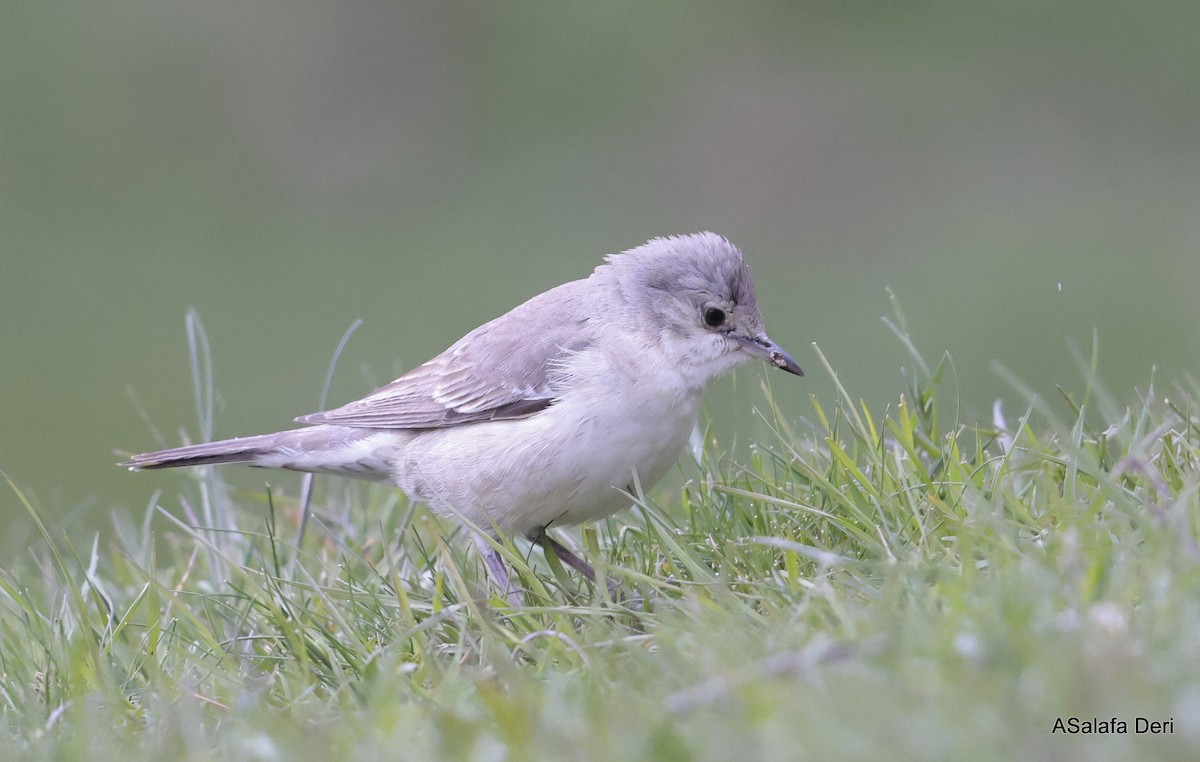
(764, 349)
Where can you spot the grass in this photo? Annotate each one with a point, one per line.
(892, 585)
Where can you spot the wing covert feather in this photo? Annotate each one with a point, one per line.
(506, 368)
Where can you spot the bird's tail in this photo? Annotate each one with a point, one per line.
(329, 449)
(243, 450)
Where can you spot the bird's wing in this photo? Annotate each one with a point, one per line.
(507, 368)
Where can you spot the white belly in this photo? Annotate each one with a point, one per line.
(568, 464)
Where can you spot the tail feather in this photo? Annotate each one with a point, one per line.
(353, 452)
(242, 450)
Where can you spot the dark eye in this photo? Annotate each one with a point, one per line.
(714, 317)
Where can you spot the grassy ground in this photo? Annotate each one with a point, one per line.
(874, 585)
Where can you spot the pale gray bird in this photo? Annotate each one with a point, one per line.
(546, 415)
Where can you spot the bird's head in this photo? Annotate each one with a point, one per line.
(694, 295)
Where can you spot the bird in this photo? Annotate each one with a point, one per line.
(548, 415)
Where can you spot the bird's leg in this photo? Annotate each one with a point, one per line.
(498, 571)
(539, 537)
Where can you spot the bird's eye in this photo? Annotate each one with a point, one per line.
(714, 317)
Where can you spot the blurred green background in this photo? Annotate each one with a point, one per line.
(1019, 173)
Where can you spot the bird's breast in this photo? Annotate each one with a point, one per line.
(566, 464)
(614, 436)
